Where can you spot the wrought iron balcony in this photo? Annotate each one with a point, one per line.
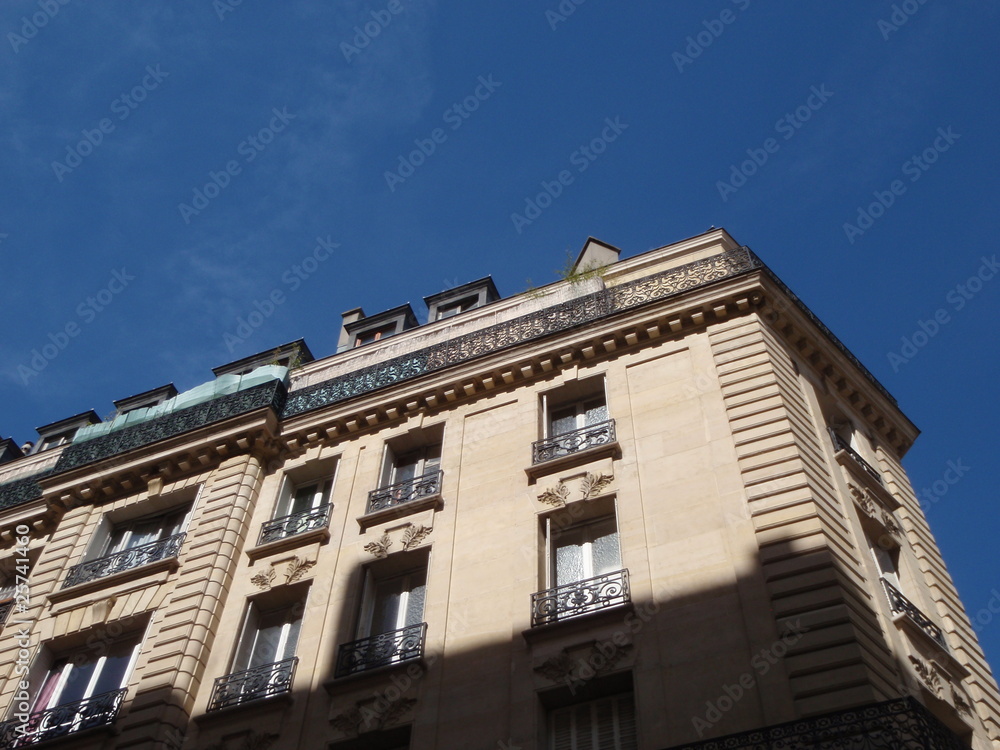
(426, 485)
(58, 721)
(124, 560)
(295, 524)
(899, 604)
(381, 650)
(253, 684)
(602, 433)
(843, 445)
(578, 598)
(5, 609)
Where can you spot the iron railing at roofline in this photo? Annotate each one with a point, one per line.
(124, 560)
(899, 604)
(900, 724)
(381, 650)
(58, 721)
(426, 485)
(295, 524)
(580, 598)
(557, 318)
(574, 441)
(843, 445)
(253, 684)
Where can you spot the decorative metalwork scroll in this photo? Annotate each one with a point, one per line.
(58, 721)
(901, 605)
(602, 433)
(381, 650)
(124, 560)
(21, 491)
(297, 523)
(893, 725)
(427, 485)
(578, 598)
(253, 684)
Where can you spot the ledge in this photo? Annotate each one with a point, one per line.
(169, 565)
(403, 509)
(376, 674)
(586, 621)
(316, 536)
(282, 701)
(611, 450)
(934, 650)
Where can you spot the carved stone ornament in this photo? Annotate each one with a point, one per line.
(380, 547)
(583, 664)
(296, 569)
(555, 497)
(928, 675)
(372, 714)
(414, 535)
(961, 700)
(264, 579)
(874, 509)
(593, 484)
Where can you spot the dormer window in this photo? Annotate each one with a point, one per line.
(360, 330)
(289, 355)
(62, 432)
(460, 299)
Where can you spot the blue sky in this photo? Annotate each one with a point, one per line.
(296, 121)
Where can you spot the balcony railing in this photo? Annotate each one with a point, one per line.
(602, 433)
(295, 524)
(843, 445)
(426, 485)
(5, 609)
(58, 721)
(253, 684)
(381, 650)
(901, 605)
(124, 560)
(578, 598)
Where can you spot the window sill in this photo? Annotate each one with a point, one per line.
(316, 536)
(555, 465)
(378, 673)
(940, 654)
(586, 621)
(280, 701)
(403, 509)
(167, 566)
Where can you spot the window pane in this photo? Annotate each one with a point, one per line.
(114, 669)
(569, 558)
(563, 421)
(596, 411)
(605, 549)
(302, 500)
(385, 615)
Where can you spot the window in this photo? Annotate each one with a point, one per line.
(390, 624)
(886, 561)
(583, 564)
(411, 471)
(7, 590)
(410, 465)
(264, 663)
(603, 724)
(129, 544)
(574, 418)
(301, 508)
(585, 551)
(451, 309)
(83, 690)
(577, 416)
(371, 336)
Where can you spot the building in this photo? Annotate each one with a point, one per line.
(652, 505)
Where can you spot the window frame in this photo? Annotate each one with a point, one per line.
(291, 630)
(370, 596)
(290, 490)
(619, 731)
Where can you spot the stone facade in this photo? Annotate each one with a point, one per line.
(724, 541)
